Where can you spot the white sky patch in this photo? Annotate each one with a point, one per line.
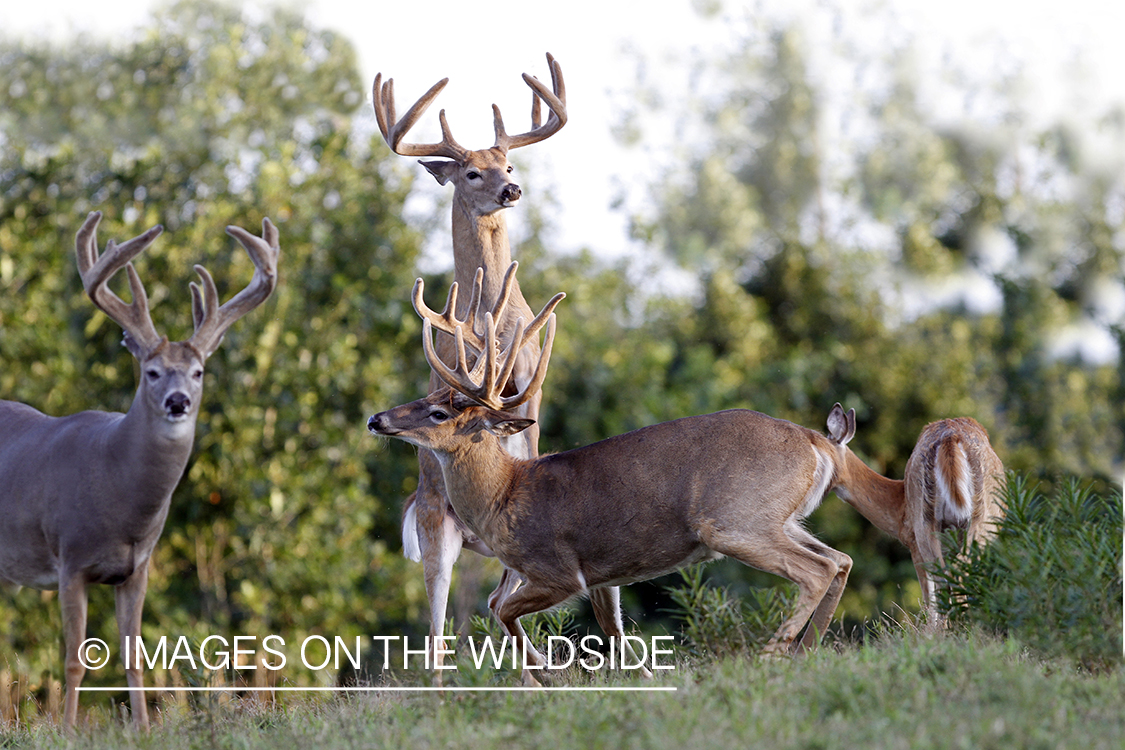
(1071, 53)
(1060, 61)
(1083, 339)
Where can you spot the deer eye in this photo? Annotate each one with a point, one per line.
(473, 175)
(196, 374)
(438, 415)
(153, 374)
(510, 168)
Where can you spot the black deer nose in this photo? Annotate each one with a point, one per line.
(177, 403)
(380, 424)
(511, 192)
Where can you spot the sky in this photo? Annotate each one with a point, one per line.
(483, 49)
(1071, 54)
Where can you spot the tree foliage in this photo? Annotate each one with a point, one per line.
(861, 249)
(286, 520)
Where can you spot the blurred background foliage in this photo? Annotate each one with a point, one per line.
(909, 268)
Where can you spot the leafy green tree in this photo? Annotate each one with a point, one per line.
(916, 271)
(286, 520)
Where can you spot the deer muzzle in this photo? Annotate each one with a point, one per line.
(380, 424)
(177, 405)
(510, 194)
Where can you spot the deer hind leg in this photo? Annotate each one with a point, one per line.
(927, 555)
(73, 601)
(607, 610)
(813, 572)
(525, 600)
(439, 540)
(130, 600)
(827, 607)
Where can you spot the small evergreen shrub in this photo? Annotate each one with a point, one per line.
(715, 622)
(1051, 578)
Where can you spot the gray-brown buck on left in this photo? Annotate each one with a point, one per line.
(84, 497)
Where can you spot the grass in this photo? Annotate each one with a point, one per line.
(1033, 660)
(901, 689)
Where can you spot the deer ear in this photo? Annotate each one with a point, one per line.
(841, 426)
(502, 426)
(442, 171)
(133, 346)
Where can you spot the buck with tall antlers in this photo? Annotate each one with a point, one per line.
(953, 480)
(635, 506)
(482, 188)
(83, 498)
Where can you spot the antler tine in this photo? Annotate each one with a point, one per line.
(383, 99)
(537, 322)
(556, 101)
(459, 378)
(485, 381)
(96, 272)
(447, 320)
(540, 374)
(211, 320)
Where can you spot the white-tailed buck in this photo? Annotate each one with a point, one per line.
(953, 480)
(482, 187)
(635, 506)
(83, 498)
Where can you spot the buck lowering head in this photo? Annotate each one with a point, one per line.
(444, 421)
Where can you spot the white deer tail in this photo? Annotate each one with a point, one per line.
(953, 485)
(411, 547)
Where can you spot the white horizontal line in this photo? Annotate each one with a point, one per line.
(295, 689)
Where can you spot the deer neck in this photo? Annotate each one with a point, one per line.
(153, 452)
(478, 479)
(880, 500)
(480, 242)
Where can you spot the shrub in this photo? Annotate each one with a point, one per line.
(714, 622)
(1051, 578)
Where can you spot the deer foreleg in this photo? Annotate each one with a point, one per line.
(525, 600)
(441, 545)
(606, 603)
(785, 555)
(130, 600)
(509, 582)
(72, 599)
(827, 607)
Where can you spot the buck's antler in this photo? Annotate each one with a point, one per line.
(447, 321)
(556, 101)
(211, 320)
(486, 380)
(96, 271)
(383, 99)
